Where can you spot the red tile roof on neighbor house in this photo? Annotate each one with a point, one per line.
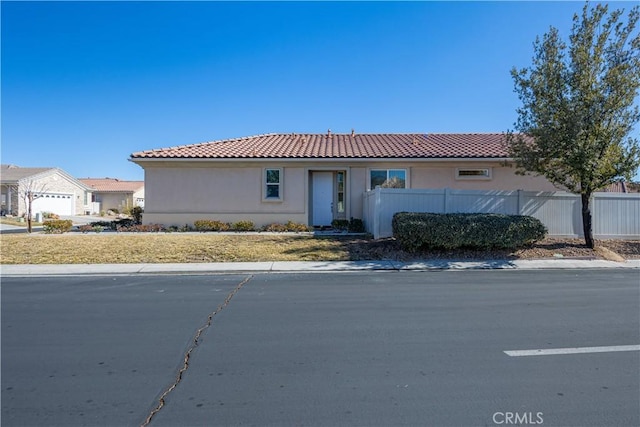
(112, 185)
(337, 146)
(622, 187)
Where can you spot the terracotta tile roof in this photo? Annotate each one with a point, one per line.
(335, 146)
(622, 187)
(112, 185)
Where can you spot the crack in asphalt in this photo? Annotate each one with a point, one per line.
(187, 355)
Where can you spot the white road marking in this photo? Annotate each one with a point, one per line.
(572, 350)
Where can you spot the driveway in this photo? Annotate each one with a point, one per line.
(77, 220)
(84, 219)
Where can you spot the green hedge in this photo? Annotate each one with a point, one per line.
(57, 226)
(416, 231)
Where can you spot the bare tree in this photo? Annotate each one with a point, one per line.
(28, 192)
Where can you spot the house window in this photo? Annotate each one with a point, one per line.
(480, 173)
(388, 178)
(273, 184)
(340, 191)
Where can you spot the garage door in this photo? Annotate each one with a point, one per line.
(58, 203)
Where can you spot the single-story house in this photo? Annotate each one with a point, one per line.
(115, 194)
(54, 191)
(315, 178)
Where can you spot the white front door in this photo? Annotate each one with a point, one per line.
(322, 198)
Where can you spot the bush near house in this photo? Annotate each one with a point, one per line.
(57, 226)
(355, 225)
(243, 226)
(275, 228)
(88, 227)
(136, 214)
(297, 227)
(416, 231)
(340, 224)
(210, 225)
(50, 215)
(139, 228)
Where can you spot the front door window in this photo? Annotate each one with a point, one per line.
(340, 194)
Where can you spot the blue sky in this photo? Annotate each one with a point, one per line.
(85, 84)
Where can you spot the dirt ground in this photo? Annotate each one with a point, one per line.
(547, 248)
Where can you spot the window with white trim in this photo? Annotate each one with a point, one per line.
(387, 178)
(273, 184)
(473, 173)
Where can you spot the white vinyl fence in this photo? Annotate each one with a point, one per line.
(615, 215)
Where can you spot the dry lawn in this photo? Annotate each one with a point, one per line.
(106, 248)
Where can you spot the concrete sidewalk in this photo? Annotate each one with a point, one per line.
(304, 267)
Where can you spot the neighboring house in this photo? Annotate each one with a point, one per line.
(315, 178)
(622, 187)
(115, 194)
(54, 191)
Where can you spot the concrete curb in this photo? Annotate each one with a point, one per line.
(304, 267)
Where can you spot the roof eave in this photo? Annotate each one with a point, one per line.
(139, 160)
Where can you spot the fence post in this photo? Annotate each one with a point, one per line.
(594, 220)
(376, 217)
(519, 212)
(446, 200)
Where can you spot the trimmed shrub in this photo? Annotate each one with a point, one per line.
(50, 215)
(275, 228)
(104, 224)
(340, 224)
(416, 231)
(243, 226)
(139, 228)
(90, 227)
(296, 227)
(210, 225)
(57, 226)
(289, 226)
(121, 224)
(356, 226)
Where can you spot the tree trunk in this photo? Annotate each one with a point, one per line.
(29, 203)
(586, 221)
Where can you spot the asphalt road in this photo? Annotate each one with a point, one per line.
(353, 349)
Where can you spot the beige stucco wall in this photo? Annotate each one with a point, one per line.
(179, 193)
(443, 175)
